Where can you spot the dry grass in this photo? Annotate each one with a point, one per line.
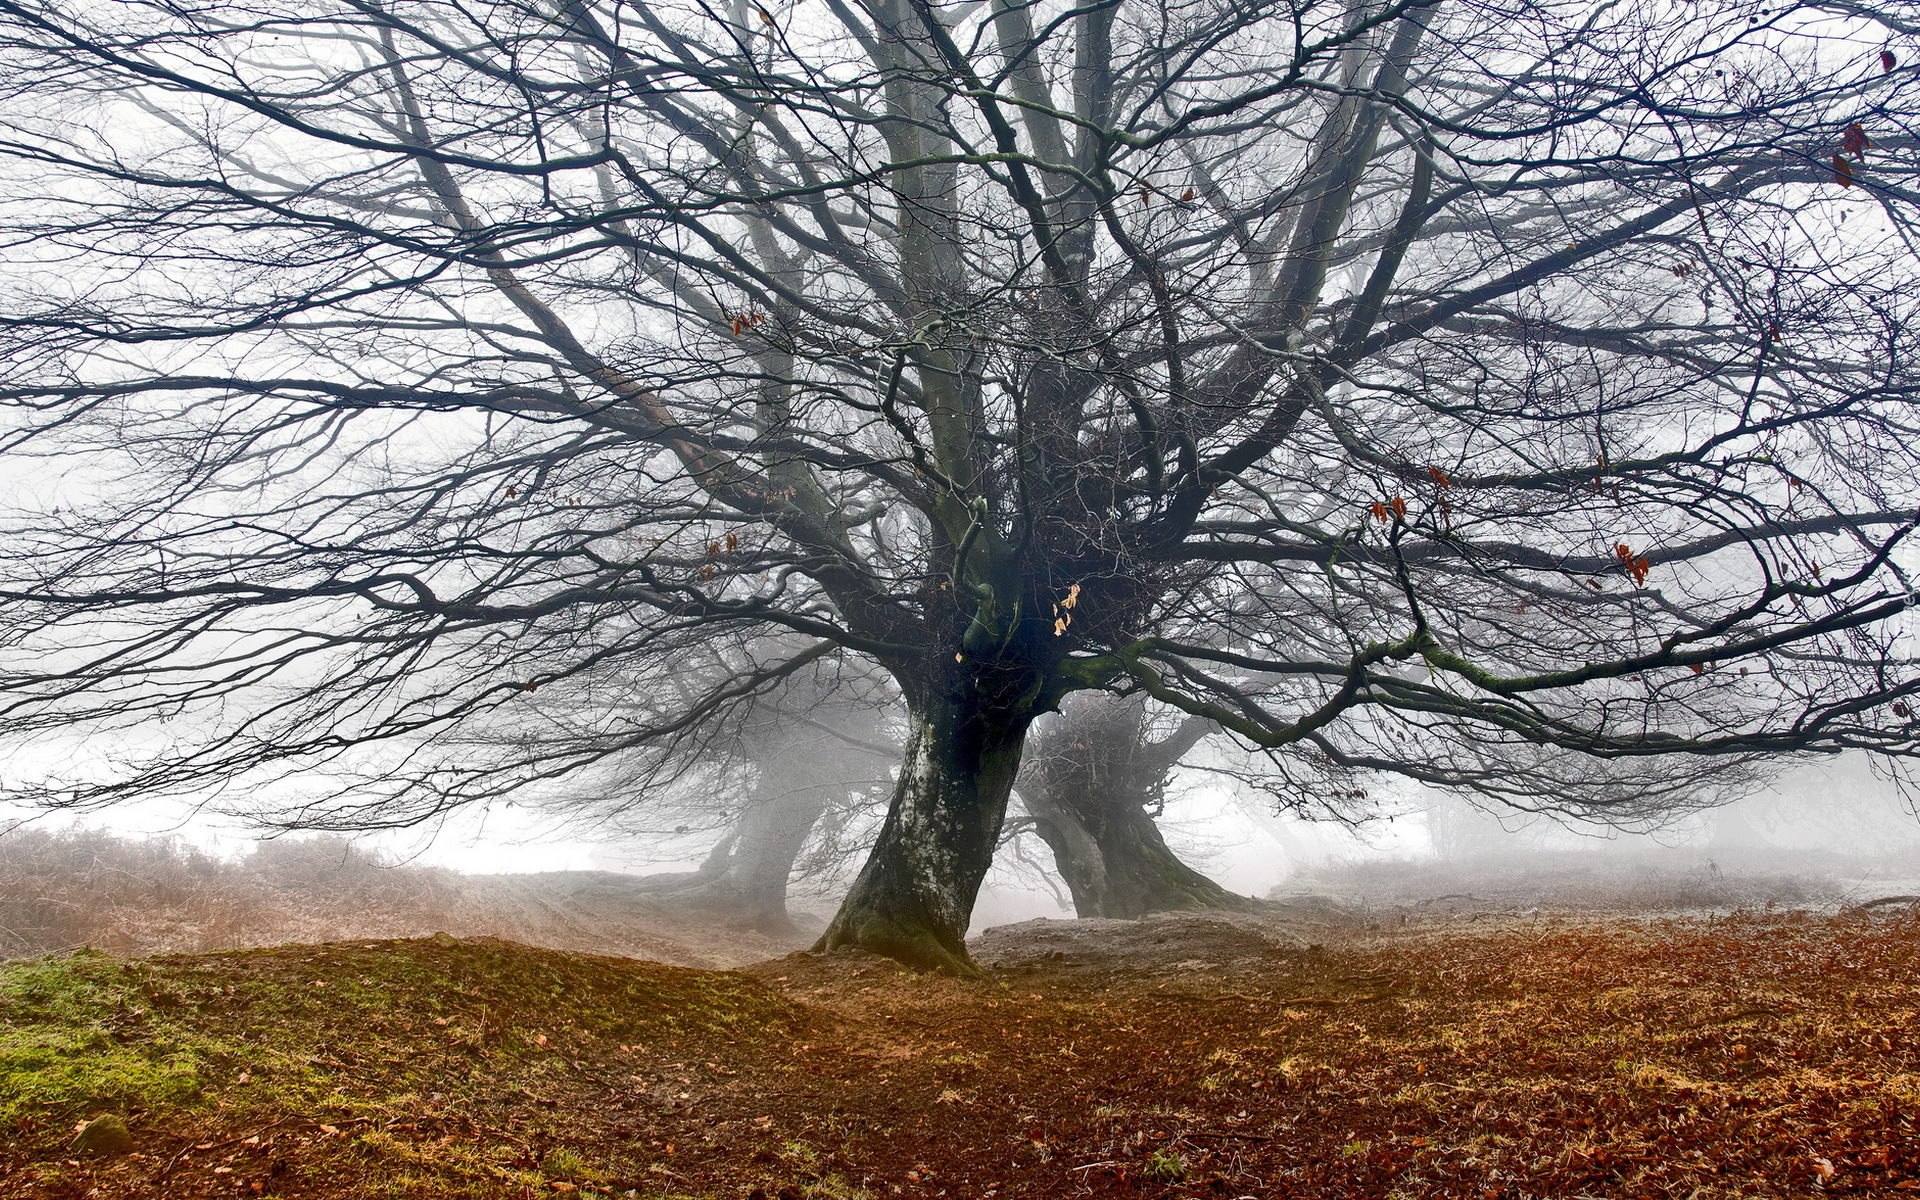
(1631, 1058)
(64, 890)
(1612, 881)
(80, 887)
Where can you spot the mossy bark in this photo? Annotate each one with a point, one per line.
(1092, 779)
(913, 899)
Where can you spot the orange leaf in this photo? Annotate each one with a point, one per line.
(1379, 512)
(1855, 141)
(1187, 195)
(1399, 507)
(1842, 171)
(1439, 477)
(1696, 668)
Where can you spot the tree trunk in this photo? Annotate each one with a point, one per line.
(1114, 860)
(1076, 854)
(744, 878)
(771, 836)
(914, 897)
(805, 752)
(1092, 778)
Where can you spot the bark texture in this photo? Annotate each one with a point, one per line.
(1094, 779)
(914, 897)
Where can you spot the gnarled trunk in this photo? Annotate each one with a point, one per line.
(1115, 861)
(914, 897)
(1091, 780)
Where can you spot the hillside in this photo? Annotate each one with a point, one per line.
(64, 889)
(1762, 1055)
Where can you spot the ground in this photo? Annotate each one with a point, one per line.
(1762, 1054)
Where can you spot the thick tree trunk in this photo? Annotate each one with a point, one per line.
(914, 897)
(1076, 854)
(1092, 778)
(771, 836)
(1115, 861)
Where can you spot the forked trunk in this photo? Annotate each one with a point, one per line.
(913, 899)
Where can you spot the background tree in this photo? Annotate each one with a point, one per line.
(1095, 781)
(1429, 387)
(798, 754)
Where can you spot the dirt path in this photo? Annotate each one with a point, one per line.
(1758, 1056)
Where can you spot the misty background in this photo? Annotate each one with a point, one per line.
(160, 877)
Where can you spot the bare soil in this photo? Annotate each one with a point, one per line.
(1546, 1056)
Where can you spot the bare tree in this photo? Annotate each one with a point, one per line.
(804, 752)
(1417, 386)
(1094, 780)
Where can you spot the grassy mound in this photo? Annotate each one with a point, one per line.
(325, 1036)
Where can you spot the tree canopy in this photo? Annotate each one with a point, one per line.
(1498, 394)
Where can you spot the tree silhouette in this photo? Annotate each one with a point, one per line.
(805, 751)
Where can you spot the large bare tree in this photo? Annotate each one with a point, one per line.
(1449, 388)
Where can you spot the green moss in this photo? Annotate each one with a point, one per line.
(1165, 1166)
(333, 1030)
(66, 1045)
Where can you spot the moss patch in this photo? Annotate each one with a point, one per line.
(68, 1043)
(348, 1040)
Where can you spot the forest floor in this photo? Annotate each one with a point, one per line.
(1518, 1056)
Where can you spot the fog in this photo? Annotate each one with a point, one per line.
(1822, 835)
